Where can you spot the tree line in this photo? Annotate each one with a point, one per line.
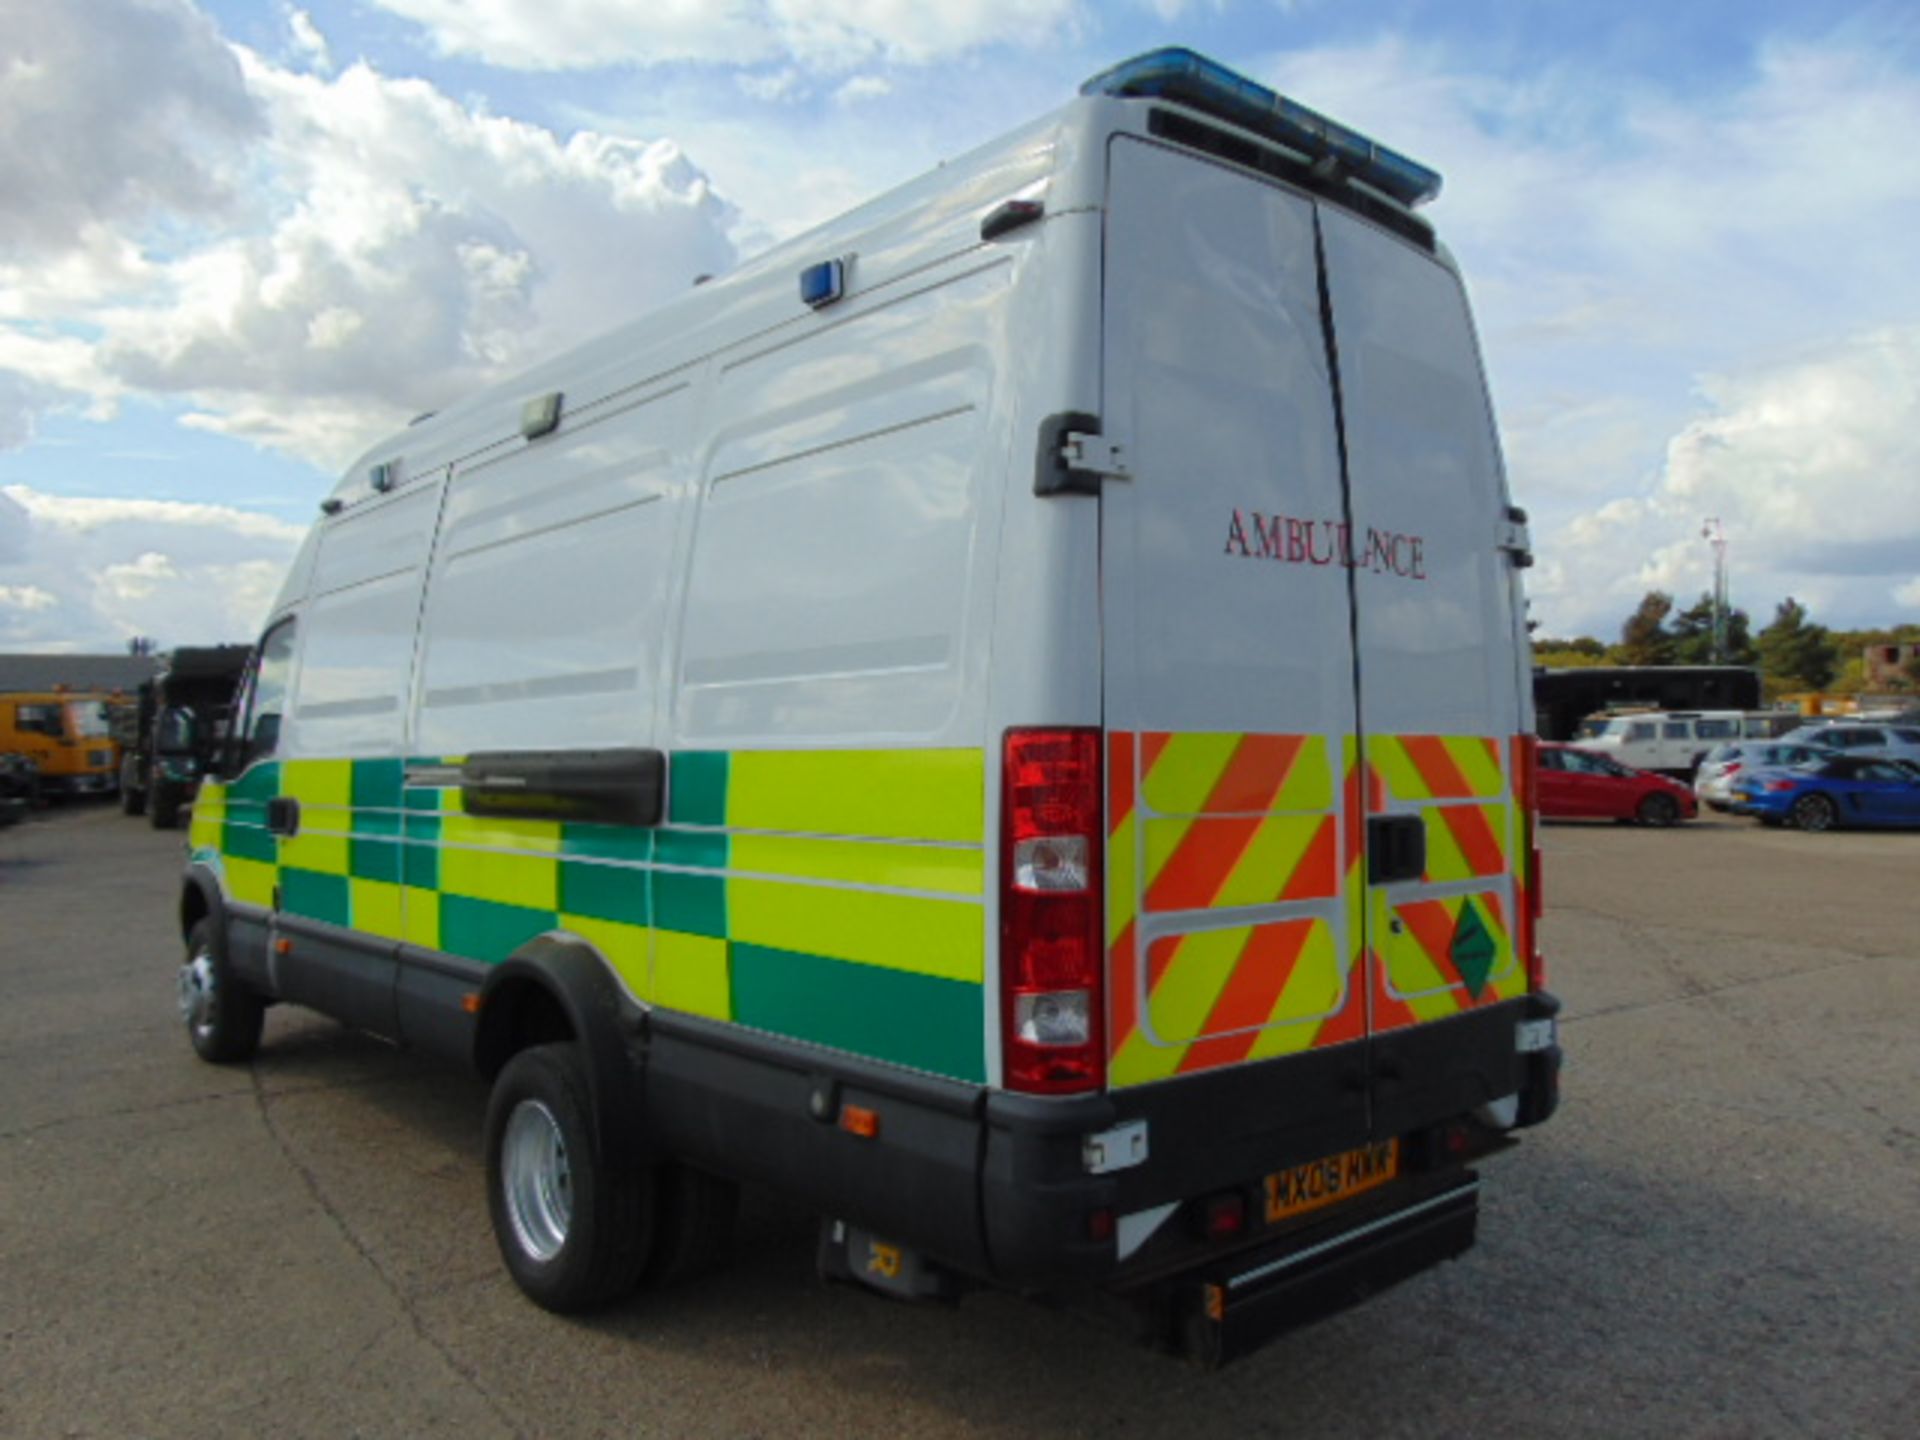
(1792, 652)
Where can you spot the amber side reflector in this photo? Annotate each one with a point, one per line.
(470, 1002)
(283, 946)
(859, 1120)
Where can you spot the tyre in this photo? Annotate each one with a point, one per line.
(163, 809)
(132, 801)
(223, 1018)
(1815, 812)
(574, 1227)
(1657, 809)
(695, 1229)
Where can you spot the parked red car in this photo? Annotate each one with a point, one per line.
(1578, 784)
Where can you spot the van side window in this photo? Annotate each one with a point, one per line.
(1676, 730)
(1642, 730)
(265, 697)
(1717, 729)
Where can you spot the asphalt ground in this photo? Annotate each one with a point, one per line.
(1719, 1235)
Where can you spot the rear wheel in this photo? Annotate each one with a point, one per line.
(1657, 809)
(574, 1226)
(1815, 812)
(222, 1016)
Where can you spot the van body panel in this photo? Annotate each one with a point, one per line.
(812, 568)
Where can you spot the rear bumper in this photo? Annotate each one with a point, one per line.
(999, 1186)
(1231, 1309)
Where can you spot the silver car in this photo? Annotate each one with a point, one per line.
(1722, 765)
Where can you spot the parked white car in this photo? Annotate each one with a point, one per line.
(1724, 764)
(1674, 742)
(1890, 742)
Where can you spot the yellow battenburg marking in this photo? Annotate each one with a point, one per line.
(945, 938)
(1431, 990)
(209, 814)
(1445, 859)
(530, 880)
(857, 862)
(1140, 1061)
(421, 910)
(251, 881)
(690, 974)
(376, 908)
(885, 794)
(541, 837)
(627, 948)
(1309, 784)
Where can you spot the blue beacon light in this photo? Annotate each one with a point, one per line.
(824, 283)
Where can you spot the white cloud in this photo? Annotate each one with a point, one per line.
(830, 35)
(862, 87)
(308, 43)
(398, 248)
(88, 573)
(112, 109)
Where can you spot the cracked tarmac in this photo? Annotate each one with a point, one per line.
(1718, 1236)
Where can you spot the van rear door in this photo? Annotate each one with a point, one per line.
(1312, 675)
(1229, 670)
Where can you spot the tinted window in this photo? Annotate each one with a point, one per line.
(1641, 731)
(40, 720)
(1879, 770)
(1676, 730)
(1550, 760)
(1717, 729)
(1908, 737)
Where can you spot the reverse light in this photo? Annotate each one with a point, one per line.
(1181, 75)
(1051, 955)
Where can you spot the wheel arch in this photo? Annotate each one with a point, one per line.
(200, 899)
(559, 989)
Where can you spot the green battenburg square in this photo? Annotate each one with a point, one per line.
(1473, 949)
(486, 930)
(375, 860)
(246, 837)
(316, 896)
(260, 784)
(377, 784)
(607, 842)
(697, 787)
(918, 1020)
(701, 849)
(691, 904)
(604, 892)
(420, 860)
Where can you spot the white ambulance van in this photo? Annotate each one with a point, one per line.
(1007, 718)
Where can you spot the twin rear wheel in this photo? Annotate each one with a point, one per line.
(577, 1228)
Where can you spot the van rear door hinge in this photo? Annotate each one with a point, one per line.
(1514, 538)
(1075, 457)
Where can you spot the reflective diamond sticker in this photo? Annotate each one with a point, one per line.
(1473, 949)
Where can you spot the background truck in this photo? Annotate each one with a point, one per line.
(67, 738)
(180, 720)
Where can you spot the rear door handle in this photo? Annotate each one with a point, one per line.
(283, 815)
(1396, 848)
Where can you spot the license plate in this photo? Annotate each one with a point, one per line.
(1325, 1182)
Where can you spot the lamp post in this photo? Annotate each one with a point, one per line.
(1715, 535)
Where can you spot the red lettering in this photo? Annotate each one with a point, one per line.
(1296, 542)
(1237, 535)
(1419, 568)
(1377, 556)
(1267, 535)
(1314, 556)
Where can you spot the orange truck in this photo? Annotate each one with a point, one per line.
(66, 735)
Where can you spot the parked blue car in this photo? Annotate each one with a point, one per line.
(1823, 794)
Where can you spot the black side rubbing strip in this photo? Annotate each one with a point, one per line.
(1329, 185)
(617, 787)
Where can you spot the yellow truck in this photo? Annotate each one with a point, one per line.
(66, 735)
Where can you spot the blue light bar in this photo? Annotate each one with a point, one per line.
(823, 284)
(1181, 75)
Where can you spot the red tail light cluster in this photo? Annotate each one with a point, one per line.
(1051, 951)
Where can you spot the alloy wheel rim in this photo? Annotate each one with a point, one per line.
(537, 1180)
(199, 993)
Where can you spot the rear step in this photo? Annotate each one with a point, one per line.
(1231, 1309)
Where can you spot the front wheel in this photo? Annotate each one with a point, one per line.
(222, 1016)
(1657, 809)
(574, 1226)
(1815, 812)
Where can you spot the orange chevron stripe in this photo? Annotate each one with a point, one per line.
(1123, 994)
(1478, 844)
(1317, 875)
(1256, 773)
(1429, 756)
(1194, 874)
(1389, 1011)
(1151, 744)
(1250, 994)
(1349, 1022)
(1430, 922)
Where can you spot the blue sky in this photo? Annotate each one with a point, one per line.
(244, 239)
